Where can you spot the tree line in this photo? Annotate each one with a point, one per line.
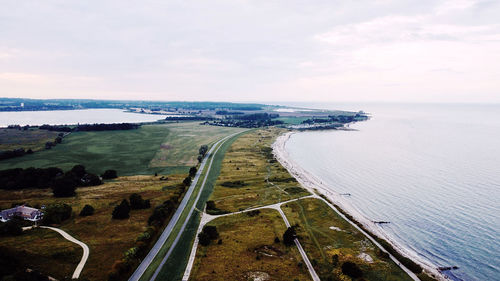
(63, 184)
(90, 127)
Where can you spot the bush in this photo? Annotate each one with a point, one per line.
(204, 239)
(13, 227)
(192, 172)
(122, 211)
(211, 231)
(87, 211)
(161, 212)
(351, 269)
(187, 181)
(109, 174)
(137, 203)
(90, 180)
(289, 236)
(56, 213)
(64, 186)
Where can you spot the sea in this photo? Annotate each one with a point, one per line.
(431, 170)
(72, 117)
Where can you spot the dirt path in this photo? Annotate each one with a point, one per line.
(70, 238)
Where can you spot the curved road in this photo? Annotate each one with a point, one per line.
(175, 218)
(70, 238)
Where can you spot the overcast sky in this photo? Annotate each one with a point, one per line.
(235, 50)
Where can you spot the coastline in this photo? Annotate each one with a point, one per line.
(314, 185)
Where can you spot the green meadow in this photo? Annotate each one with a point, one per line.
(160, 148)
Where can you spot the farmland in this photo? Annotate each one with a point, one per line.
(163, 148)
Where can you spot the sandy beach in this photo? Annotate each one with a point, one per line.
(314, 185)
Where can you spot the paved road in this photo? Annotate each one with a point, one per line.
(175, 218)
(86, 250)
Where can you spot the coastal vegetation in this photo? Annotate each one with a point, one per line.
(248, 251)
(251, 177)
(335, 247)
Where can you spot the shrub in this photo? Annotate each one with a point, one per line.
(121, 211)
(56, 213)
(204, 239)
(192, 171)
(13, 227)
(187, 181)
(211, 205)
(136, 202)
(64, 186)
(211, 231)
(87, 211)
(351, 269)
(109, 174)
(289, 236)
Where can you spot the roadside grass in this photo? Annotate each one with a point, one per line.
(174, 267)
(36, 247)
(161, 148)
(251, 177)
(323, 234)
(33, 139)
(107, 239)
(248, 251)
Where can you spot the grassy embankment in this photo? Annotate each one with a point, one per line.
(323, 234)
(165, 149)
(170, 147)
(33, 139)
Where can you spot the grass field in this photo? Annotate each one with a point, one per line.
(251, 177)
(323, 234)
(165, 149)
(248, 251)
(46, 251)
(174, 267)
(33, 139)
(108, 239)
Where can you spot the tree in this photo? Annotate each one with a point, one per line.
(351, 269)
(289, 236)
(187, 181)
(204, 239)
(136, 202)
(64, 186)
(211, 231)
(56, 213)
(13, 227)
(211, 205)
(203, 150)
(122, 211)
(90, 180)
(192, 171)
(79, 170)
(109, 174)
(335, 260)
(87, 211)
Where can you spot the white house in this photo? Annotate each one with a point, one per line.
(24, 212)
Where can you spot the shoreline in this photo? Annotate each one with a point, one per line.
(314, 185)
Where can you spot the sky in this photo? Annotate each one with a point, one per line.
(262, 50)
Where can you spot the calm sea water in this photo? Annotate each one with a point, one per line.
(71, 117)
(433, 171)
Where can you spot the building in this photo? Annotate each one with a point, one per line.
(27, 213)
